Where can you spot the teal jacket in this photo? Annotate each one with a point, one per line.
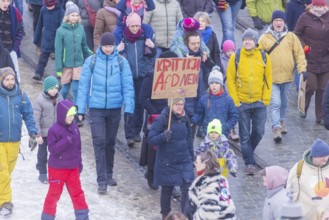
(70, 46)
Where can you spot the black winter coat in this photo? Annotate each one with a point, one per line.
(5, 58)
(190, 7)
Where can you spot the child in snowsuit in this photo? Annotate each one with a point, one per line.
(65, 163)
(50, 19)
(209, 195)
(44, 111)
(275, 180)
(218, 144)
(70, 50)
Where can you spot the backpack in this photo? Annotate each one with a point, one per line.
(299, 173)
(91, 14)
(93, 62)
(237, 60)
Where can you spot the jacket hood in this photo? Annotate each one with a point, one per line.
(102, 55)
(70, 26)
(62, 109)
(275, 34)
(308, 158)
(222, 138)
(276, 176)
(251, 52)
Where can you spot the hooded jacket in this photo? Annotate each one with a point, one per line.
(284, 56)
(5, 58)
(276, 192)
(264, 8)
(312, 188)
(64, 141)
(164, 20)
(247, 83)
(15, 106)
(314, 32)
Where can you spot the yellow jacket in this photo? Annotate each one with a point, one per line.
(284, 56)
(248, 84)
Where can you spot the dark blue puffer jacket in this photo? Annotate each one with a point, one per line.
(295, 8)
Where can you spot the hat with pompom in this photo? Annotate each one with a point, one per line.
(215, 126)
(71, 8)
(216, 76)
(190, 24)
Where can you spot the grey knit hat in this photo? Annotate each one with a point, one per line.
(252, 34)
(216, 76)
(71, 8)
(6, 71)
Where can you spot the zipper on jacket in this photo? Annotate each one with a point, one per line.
(251, 78)
(9, 132)
(107, 59)
(167, 23)
(74, 52)
(136, 56)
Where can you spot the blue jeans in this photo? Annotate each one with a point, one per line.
(279, 103)
(228, 20)
(104, 125)
(296, 79)
(253, 114)
(66, 88)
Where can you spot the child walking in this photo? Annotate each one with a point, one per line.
(65, 163)
(218, 144)
(70, 50)
(50, 19)
(44, 111)
(209, 195)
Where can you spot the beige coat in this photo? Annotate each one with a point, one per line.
(105, 22)
(164, 19)
(284, 56)
(313, 190)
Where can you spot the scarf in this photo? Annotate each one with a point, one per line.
(219, 93)
(206, 34)
(113, 10)
(8, 92)
(318, 13)
(132, 37)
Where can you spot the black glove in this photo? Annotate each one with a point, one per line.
(82, 116)
(233, 174)
(304, 76)
(167, 134)
(128, 117)
(32, 142)
(257, 23)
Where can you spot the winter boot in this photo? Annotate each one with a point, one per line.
(111, 181)
(43, 178)
(277, 136)
(6, 209)
(102, 189)
(176, 193)
(45, 216)
(283, 128)
(81, 214)
(149, 176)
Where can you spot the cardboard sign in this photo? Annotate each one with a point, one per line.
(176, 77)
(301, 94)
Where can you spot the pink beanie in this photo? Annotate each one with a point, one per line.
(228, 45)
(319, 3)
(190, 24)
(133, 19)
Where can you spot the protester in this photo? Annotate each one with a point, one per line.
(36, 7)
(308, 179)
(15, 108)
(12, 32)
(44, 112)
(275, 181)
(251, 101)
(209, 194)
(174, 156)
(70, 50)
(313, 36)
(50, 19)
(217, 143)
(284, 50)
(65, 163)
(110, 70)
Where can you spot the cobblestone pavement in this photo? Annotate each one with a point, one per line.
(247, 192)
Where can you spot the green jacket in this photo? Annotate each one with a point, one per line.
(70, 46)
(264, 8)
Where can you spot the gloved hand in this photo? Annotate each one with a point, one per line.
(304, 76)
(59, 74)
(307, 49)
(257, 23)
(233, 174)
(222, 5)
(33, 142)
(167, 134)
(128, 117)
(81, 117)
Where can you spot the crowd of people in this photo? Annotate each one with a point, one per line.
(105, 52)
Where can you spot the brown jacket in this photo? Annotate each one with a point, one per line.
(106, 21)
(314, 32)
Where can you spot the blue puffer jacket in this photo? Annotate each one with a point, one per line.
(12, 110)
(106, 87)
(174, 161)
(49, 21)
(139, 63)
(221, 107)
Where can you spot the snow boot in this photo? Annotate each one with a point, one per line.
(149, 176)
(45, 216)
(6, 209)
(81, 214)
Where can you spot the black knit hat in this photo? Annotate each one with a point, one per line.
(168, 54)
(107, 39)
(278, 14)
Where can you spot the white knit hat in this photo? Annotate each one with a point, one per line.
(216, 76)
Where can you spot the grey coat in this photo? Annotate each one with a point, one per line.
(44, 112)
(273, 204)
(164, 19)
(94, 4)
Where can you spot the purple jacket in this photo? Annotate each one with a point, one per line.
(64, 142)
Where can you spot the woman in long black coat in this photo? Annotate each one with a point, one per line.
(174, 157)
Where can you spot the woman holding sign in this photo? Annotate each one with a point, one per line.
(174, 157)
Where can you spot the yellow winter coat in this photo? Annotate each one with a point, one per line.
(264, 8)
(248, 84)
(284, 56)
